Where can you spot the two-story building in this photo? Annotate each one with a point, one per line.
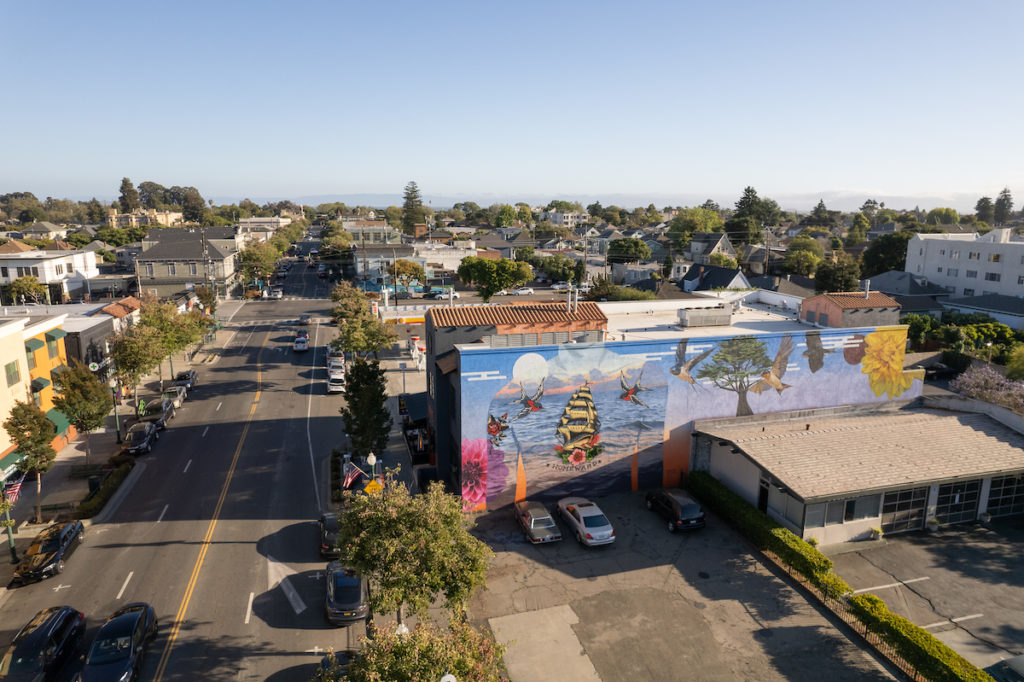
(172, 266)
(705, 244)
(969, 264)
(64, 273)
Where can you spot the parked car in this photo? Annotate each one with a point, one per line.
(176, 394)
(336, 383)
(44, 645)
(159, 412)
(301, 344)
(561, 286)
(49, 550)
(277, 292)
(329, 528)
(587, 522)
(189, 378)
(680, 510)
(304, 333)
(536, 522)
(443, 295)
(1008, 669)
(523, 291)
(403, 294)
(335, 368)
(120, 645)
(305, 318)
(501, 292)
(139, 438)
(347, 593)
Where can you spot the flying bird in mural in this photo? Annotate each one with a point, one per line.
(530, 404)
(815, 352)
(629, 392)
(496, 428)
(773, 377)
(683, 366)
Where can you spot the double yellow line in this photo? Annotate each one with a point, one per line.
(179, 618)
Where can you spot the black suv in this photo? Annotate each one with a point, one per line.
(329, 530)
(159, 412)
(46, 556)
(188, 379)
(139, 438)
(43, 646)
(680, 510)
(120, 645)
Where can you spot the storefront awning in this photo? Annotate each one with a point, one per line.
(7, 463)
(33, 345)
(40, 383)
(55, 334)
(59, 419)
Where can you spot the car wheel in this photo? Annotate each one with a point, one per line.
(60, 567)
(650, 505)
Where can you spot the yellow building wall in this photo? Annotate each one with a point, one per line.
(12, 349)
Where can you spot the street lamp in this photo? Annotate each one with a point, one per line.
(10, 528)
(371, 459)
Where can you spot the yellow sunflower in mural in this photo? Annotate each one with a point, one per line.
(883, 362)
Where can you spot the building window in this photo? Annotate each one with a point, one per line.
(3, 271)
(1020, 280)
(971, 274)
(952, 272)
(834, 513)
(1006, 495)
(170, 269)
(30, 359)
(37, 399)
(968, 292)
(942, 252)
(51, 347)
(993, 258)
(149, 269)
(13, 375)
(939, 269)
(973, 255)
(71, 268)
(60, 269)
(193, 269)
(954, 254)
(992, 276)
(811, 316)
(35, 271)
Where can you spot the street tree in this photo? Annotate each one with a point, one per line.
(257, 262)
(428, 652)
(691, 220)
(367, 419)
(841, 275)
(83, 398)
(743, 230)
(888, 252)
(984, 210)
(31, 432)
(173, 331)
(412, 548)
(1002, 210)
(942, 216)
(349, 301)
(723, 261)
(506, 216)
(207, 298)
(129, 200)
(805, 242)
(135, 353)
(491, 276)
(858, 233)
(628, 251)
(403, 271)
(28, 287)
(364, 334)
(738, 363)
(801, 263)
(412, 208)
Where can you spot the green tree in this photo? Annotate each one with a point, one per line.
(722, 261)
(257, 261)
(984, 210)
(78, 239)
(428, 652)
(691, 220)
(743, 230)
(801, 263)
(393, 214)
(820, 216)
(404, 271)
(506, 216)
(888, 252)
(491, 276)
(367, 420)
(858, 233)
(193, 208)
(31, 432)
(173, 332)
(763, 211)
(152, 195)
(207, 298)
(364, 334)
(83, 398)
(135, 353)
(805, 242)
(738, 363)
(870, 208)
(920, 328)
(412, 548)
(349, 302)
(1015, 365)
(841, 275)
(667, 266)
(628, 251)
(28, 288)
(524, 214)
(1002, 210)
(942, 216)
(129, 200)
(412, 208)
(94, 212)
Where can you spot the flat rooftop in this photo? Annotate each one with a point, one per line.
(660, 320)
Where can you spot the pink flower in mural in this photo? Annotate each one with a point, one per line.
(578, 457)
(474, 472)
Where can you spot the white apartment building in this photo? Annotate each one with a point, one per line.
(570, 220)
(262, 224)
(969, 264)
(64, 272)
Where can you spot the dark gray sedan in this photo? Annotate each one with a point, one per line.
(537, 523)
(680, 510)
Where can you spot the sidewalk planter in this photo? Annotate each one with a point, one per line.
(94, 503)
(932, 525)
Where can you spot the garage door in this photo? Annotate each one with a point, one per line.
(958, 502)
(904, 510)
(1006, 496)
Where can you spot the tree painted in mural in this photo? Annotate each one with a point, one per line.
(736, 366)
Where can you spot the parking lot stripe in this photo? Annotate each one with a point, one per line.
(970, 617)
(130, 574)
(885, 587)
(949, 621)
(248, 609)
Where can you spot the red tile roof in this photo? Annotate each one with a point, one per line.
(525, 313)
(849, 300)
(123, 308)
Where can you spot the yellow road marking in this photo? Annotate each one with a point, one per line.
(179, 617)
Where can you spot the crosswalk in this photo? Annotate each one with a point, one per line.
(277, 322)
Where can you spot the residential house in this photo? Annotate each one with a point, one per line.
(790, 285)
(124, 312)
(969, 264)
(885, 228)
(371, 232)
(59, 245)
(570, 219)
(126, 255)
(705, 244)
(168, 267)
(225, 238)
(713, 277)
(914, 293)
(599, 244)
(631, 273)
(1008, 310)
(850, 309)
(758, 259)
(64, 273)
(44, 230)
(14, 246)
(271, 224)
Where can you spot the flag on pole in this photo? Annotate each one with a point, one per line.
(12, 490)
(354, 472)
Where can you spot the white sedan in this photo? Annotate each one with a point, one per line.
(561, 286)
(523, 291)
(443, 296)
(586, 521)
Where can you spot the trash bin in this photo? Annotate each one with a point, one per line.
(94, 484)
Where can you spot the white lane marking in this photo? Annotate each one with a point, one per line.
(885, 587)
(952, 620)
(315, 650)
(61, 587)
(309, 411)
(187, 465)
(130, 574)
(277, 574)
(218, 407)
(293, 597)
(161, 518)
(204, 432)
(248, 609)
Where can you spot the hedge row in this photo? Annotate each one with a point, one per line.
(92, 505)
(920, 648)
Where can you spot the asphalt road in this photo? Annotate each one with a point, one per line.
(217, 531)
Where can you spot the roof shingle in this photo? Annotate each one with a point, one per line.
(850, 300)
(525, 313)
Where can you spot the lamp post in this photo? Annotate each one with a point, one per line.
(371, 459)
(989, 344)
(117, 421)
(10, 529)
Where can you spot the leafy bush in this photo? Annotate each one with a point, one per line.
(984, 383)
(93, 504)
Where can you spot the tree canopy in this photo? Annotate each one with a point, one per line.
(691, 220)
(628, 251)
(888, 252)
(31, 432)
(257, 261)
(841, 275)
(28, 287)
(763, 211)
(83, 398)
(129, 199)
(491, 276)
(367, 420)
(1002, 210)
(412, 208)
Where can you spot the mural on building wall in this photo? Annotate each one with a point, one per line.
(534, 419)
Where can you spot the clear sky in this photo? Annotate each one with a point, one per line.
(674, 101)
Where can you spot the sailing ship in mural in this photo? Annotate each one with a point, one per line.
(579, 428)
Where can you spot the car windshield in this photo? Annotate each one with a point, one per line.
(109, 649)
(17, 662)
(134, 435)
(689, 511)
(347, 589)
(184, 376)
(542, 522)
(595, 521)
(153, 408)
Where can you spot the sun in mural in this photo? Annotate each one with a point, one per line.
(883, 362)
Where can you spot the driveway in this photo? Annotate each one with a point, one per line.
(654, 606)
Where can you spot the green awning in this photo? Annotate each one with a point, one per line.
(8, 462)
(58, 369)
(59, 419)
(40, 383)
(33, 345)
(55, 334)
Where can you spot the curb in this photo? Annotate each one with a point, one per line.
(122, 491)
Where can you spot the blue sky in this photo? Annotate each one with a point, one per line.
(670, 102)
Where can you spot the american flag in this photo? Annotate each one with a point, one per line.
(12, 490)
(354, 472)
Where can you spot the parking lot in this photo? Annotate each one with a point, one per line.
(654, 606)
(964, 584)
